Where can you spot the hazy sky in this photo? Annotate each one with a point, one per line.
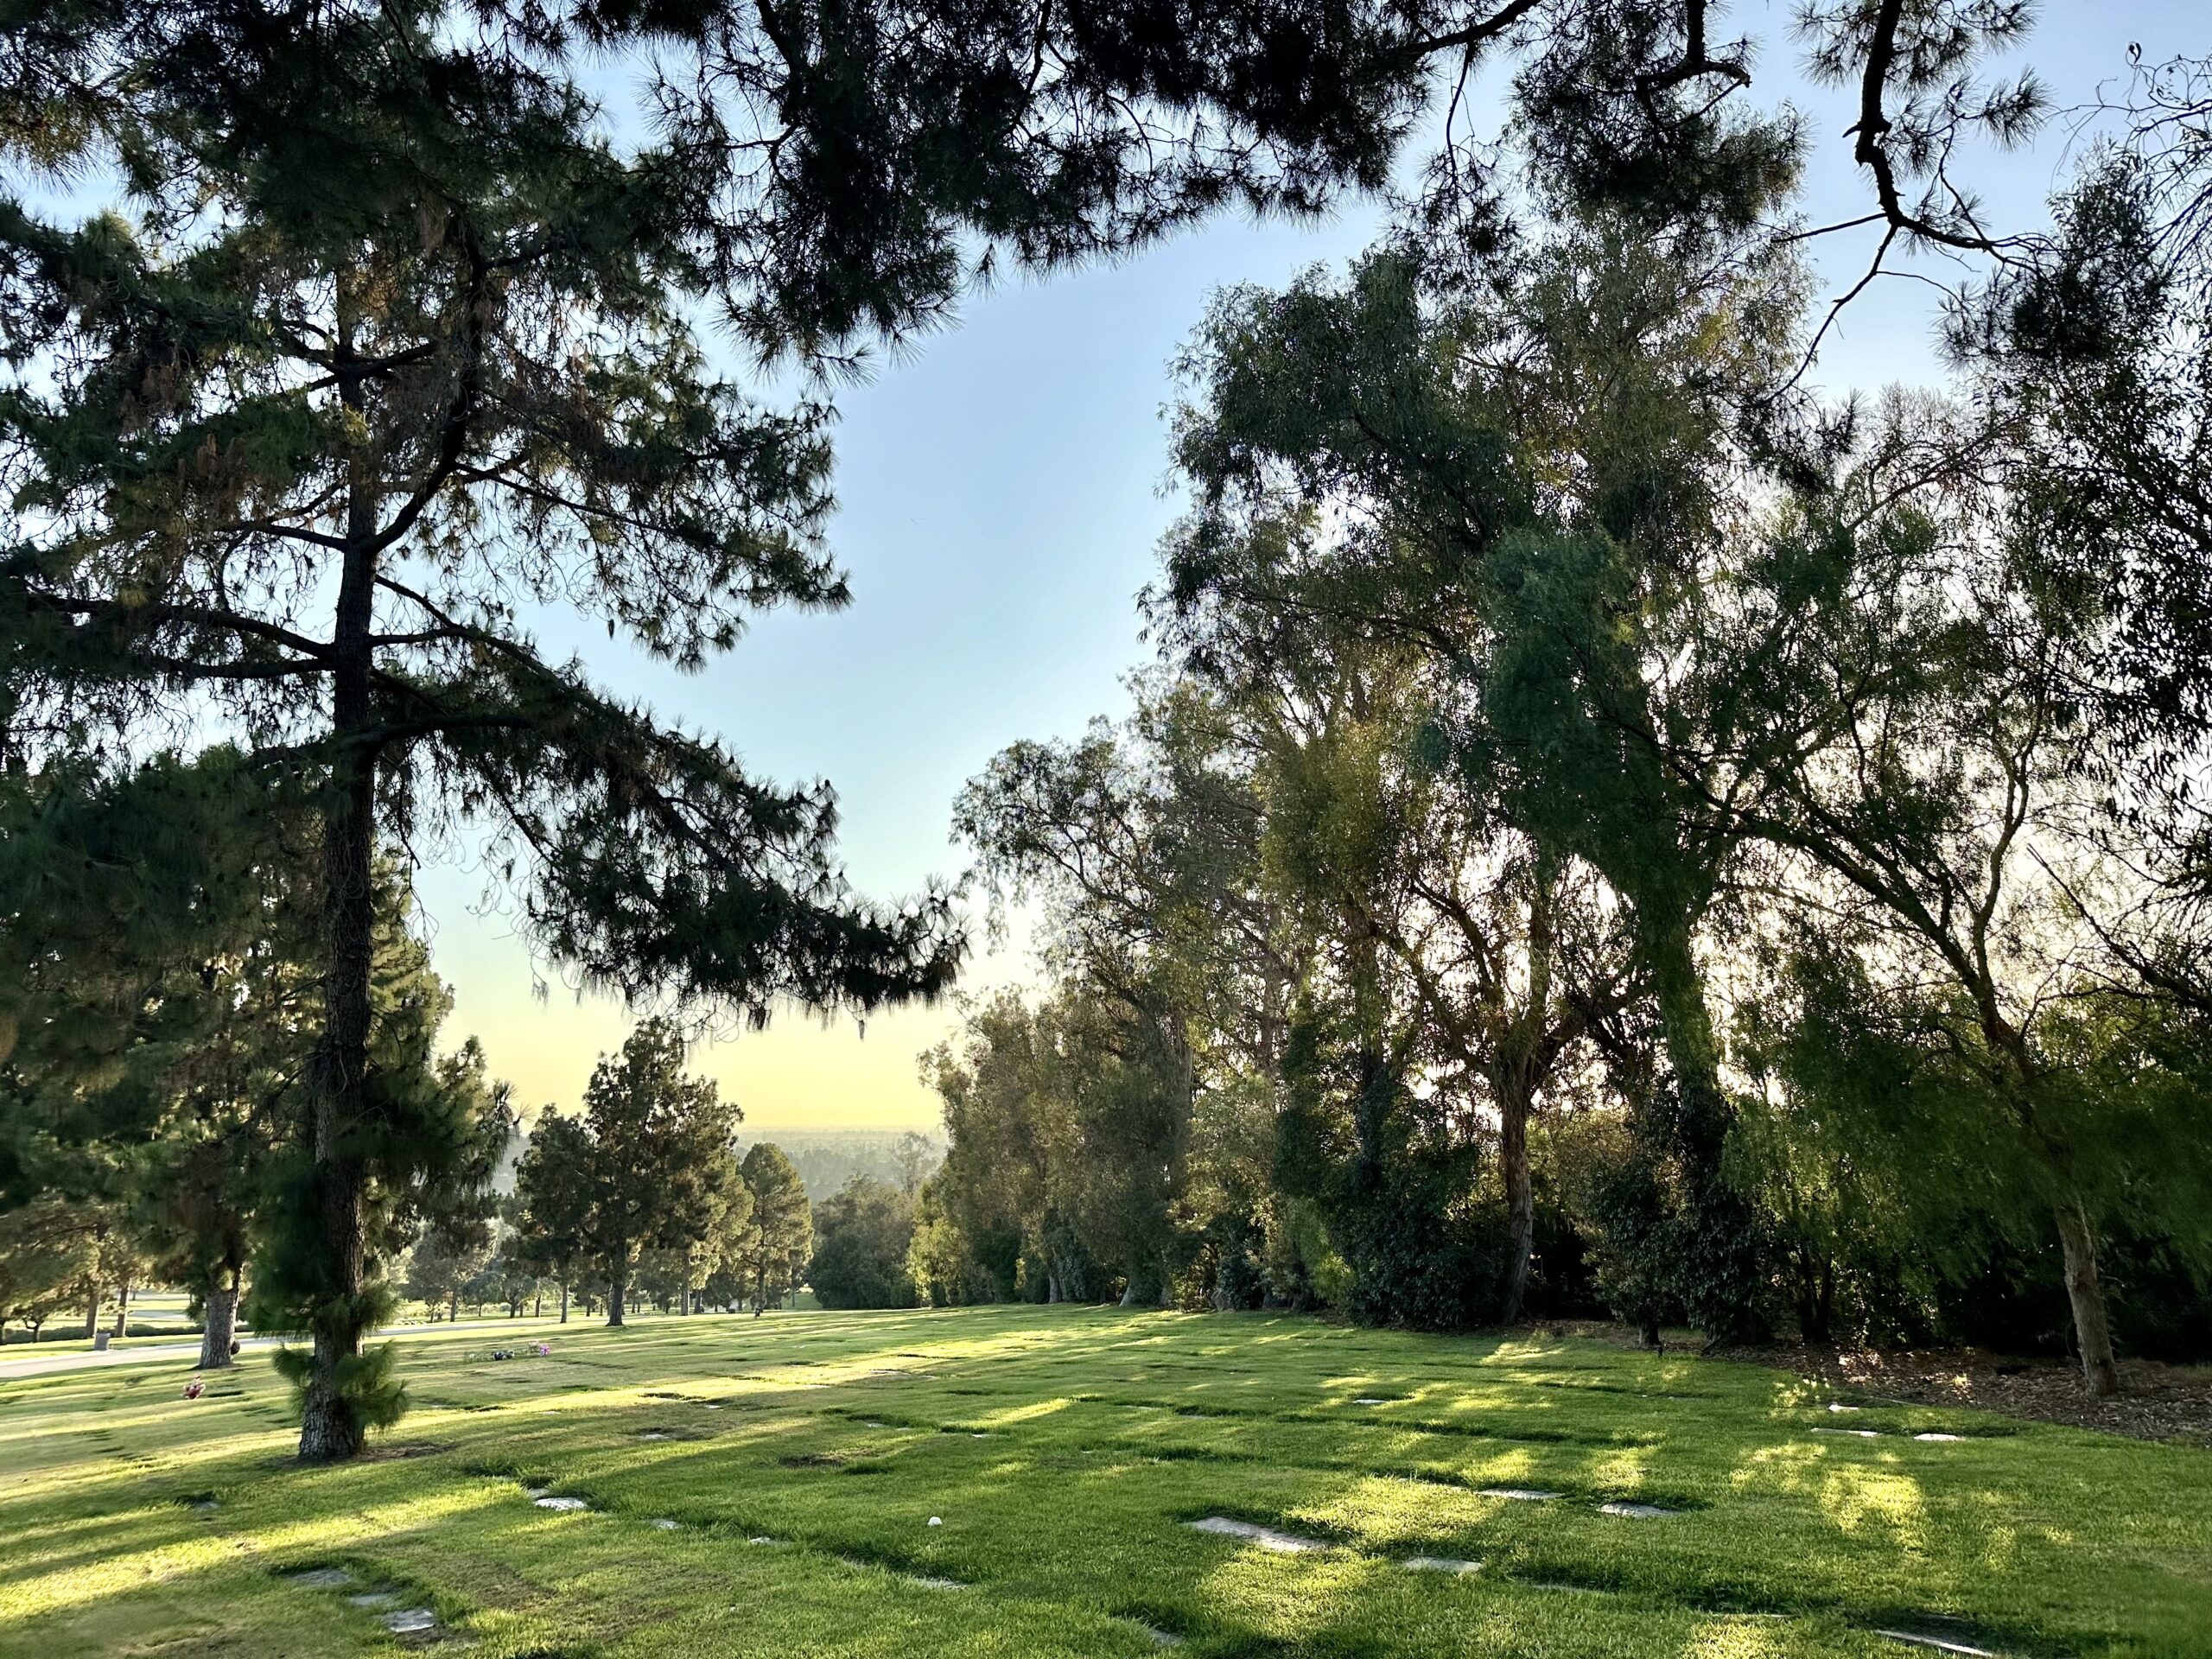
(1002, 494)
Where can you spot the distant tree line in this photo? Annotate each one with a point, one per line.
(827, 1159)
(865, 1233)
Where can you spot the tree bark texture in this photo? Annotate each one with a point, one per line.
(2085, 1293)
(219, 1323)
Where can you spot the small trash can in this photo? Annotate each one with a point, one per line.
(100, 1341)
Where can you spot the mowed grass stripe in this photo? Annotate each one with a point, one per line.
(1064, 1523)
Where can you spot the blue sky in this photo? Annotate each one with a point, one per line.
(1002, 493)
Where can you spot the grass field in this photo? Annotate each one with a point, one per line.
(801, 1458)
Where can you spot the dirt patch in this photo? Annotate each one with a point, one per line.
(2158, 1401)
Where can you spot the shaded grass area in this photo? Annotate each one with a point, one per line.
(801, 1458)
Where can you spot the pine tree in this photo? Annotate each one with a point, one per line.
(647, 1166)
(552, 1202)
(162, 1010)
(780, 1234)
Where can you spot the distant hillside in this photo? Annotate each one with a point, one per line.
(827, 1159)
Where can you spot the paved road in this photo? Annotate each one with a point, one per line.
(41, 1364)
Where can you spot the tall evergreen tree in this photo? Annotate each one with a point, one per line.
(646, 1166)
(779, 1233)
(161, 1013)
(553, 1200)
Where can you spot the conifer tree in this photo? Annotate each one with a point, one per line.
(646, 1166)
(779, 1236)
(160, 1013)
(552, 1201)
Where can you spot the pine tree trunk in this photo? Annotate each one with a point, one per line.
(564, 1301)
(331, 1428)
(618, 1286)
(2085, 1292)
(218, 1322)
(1520, 1193)
(93, 1314)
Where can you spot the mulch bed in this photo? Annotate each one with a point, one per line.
(2158, 1401)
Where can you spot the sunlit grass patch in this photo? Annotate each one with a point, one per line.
(1019, 1481)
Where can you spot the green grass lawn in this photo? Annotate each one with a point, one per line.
(802, 1457)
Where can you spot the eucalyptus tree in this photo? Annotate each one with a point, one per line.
(1140, 844)
(1532, 474)
(1949, 811)
(1171, 976)
(1004, 1144)
(2089, 376)
(2092, 364)
(915, 1155)
(1501, 955)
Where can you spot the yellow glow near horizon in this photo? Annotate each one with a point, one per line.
(799, 1074)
